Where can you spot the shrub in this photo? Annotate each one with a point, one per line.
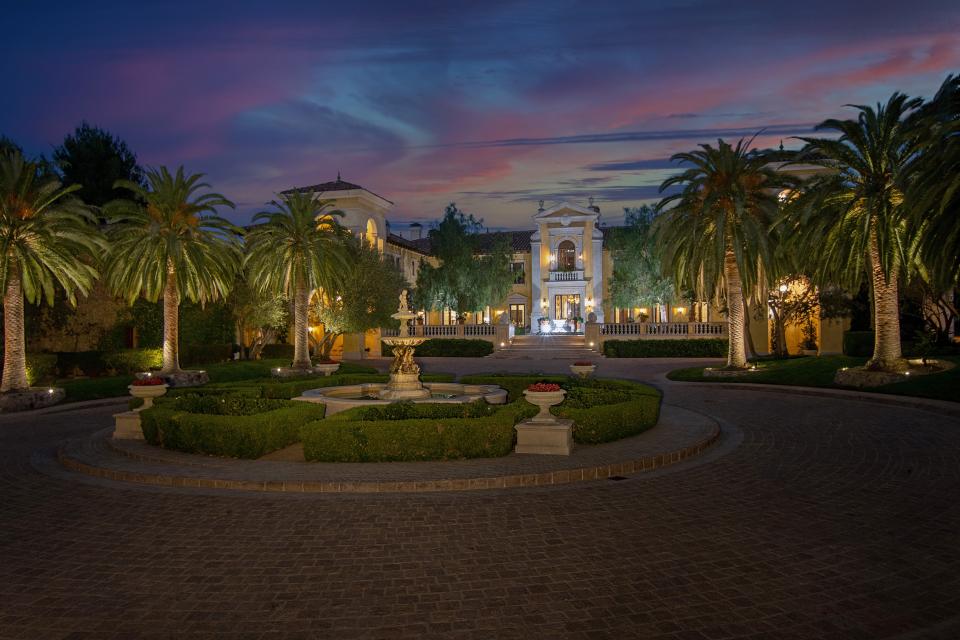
(197, 354)
(858, 343)
(134, 360)
(284, 351)
(237, 436)
(40, 366)
(448, 348)
(413, 439)
(227, 404)
(608, 422)
(89, 363)
(681, 348)
(514, 385)
(409, 410)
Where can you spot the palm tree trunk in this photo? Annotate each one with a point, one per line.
(171, 322)
(886, 311)
(301, 342)
(14, 350)
(736, 356)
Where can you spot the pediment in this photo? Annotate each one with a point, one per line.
(566, 213)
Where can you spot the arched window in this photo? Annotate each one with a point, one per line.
(371, 234)
(566, 256)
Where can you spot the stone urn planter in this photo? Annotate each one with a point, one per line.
(327, 368)
(544, 396)
(148, 389)
(583, 369)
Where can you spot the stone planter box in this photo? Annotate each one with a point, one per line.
(327, 369)
(147, 393)
(583, 370)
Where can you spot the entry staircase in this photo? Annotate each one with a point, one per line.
(547, 347)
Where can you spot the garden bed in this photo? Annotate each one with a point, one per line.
(250, 419)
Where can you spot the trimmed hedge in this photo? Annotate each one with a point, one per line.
(134, 360)
(448, 348)
(197, 354)
(608, 422)
(277, 351)
(236, 436)
(89, 363)
(292, 387)
(858, 344)
(408, 410)
(40, 366)
(681, 348)
(413, 439)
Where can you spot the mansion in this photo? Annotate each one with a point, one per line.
(562, 269)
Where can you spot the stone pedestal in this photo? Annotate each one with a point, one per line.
(554, 438)
(404, 386)
(127, 426)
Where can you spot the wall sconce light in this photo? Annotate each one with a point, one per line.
(680, 309)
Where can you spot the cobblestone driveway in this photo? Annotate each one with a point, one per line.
(831, 519)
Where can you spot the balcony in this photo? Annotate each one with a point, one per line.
(567, 276)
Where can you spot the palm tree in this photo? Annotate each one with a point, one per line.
(169, 243)
(296, 249)
(852, 219)
(933, 195)
(717, 236)
(48, 241)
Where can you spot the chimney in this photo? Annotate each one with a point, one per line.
(592, 206)
(416, 229)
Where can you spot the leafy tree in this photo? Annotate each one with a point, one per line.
(365, 298)
(470, 276)
(168, 243)
(716, 238)
(852, 218)
(48, 242)
(294, 250)
(264, 315)
(96, 160)
(8, 146)
(637, 280)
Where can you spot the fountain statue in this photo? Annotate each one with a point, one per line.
(404, 381)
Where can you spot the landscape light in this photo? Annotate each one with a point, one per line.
(783, 288)
(503, 344)
(591, 345)
(50, 390)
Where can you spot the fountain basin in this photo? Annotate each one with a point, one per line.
(346, 397)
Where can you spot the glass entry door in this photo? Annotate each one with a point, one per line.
(566, 306)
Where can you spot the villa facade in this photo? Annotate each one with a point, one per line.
(562, 268)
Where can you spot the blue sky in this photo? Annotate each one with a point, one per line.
(494, 105)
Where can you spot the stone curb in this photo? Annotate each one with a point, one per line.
(67, 406)
(550, 478)
(925, 404)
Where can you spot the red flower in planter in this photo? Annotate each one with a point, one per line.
(148, 382)
(583, 363)
(543, 387)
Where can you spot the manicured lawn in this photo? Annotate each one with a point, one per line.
(112, 387)
(819, 372)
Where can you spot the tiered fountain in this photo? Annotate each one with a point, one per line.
(404, 372)
(404, 383)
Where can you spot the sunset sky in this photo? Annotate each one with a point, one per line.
(491, 104)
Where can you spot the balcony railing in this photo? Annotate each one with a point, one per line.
(479, 330)
(566, 276)
(690, 329)
(432, 330)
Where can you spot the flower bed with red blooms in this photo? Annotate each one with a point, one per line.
(148, 382)
(583, 363)
(543, 387)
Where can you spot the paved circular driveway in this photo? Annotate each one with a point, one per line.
(819, 518)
